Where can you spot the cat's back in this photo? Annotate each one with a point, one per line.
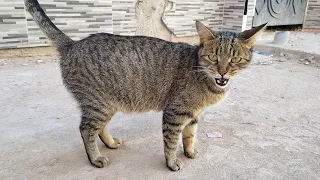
(130, 57)
(109, 47)
(112, 42)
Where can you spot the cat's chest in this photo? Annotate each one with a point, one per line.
(208, 101)
(213, 98)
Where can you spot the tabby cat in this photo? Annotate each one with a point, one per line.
(109, 73)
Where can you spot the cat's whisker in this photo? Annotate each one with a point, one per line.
(202, 70)
(203, 67)
(198, 66)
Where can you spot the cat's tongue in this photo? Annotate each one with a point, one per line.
(221, 81)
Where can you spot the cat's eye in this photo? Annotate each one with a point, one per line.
(236, 60)
(211, 58)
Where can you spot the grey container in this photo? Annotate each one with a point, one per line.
(281, 37)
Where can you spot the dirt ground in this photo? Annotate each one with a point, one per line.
(269, 122)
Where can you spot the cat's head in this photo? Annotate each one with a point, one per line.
(223, 54)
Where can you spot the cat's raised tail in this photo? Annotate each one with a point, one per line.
(55, 35)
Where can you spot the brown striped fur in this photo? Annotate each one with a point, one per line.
(108, 73)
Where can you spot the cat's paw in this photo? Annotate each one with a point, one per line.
(191, 154)
(116, 143)
(175, 165)
(100, 162)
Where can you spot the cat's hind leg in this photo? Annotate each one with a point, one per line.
(92, 122)
(108, 140)
(188, 139)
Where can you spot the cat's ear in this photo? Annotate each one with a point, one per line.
(250, 36)
(204, 32)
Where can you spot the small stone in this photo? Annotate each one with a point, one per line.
(310, 58)
(281, 54)
(282, 59)
(306, 63)
(301, 59)
(311, 61)
(39, 61)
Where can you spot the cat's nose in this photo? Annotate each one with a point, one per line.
(222, 73)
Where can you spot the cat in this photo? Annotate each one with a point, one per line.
(109, 73)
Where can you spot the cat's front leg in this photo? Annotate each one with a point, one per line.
(189, 137)
(173, 123)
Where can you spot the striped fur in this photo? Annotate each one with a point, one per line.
(107, 73)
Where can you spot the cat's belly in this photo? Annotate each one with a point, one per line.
(138, 102)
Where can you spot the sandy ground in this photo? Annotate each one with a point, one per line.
(270, 126)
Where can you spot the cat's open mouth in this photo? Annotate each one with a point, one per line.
(221, 81)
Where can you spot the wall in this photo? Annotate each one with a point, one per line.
(181, 18)
(79, 18)
(13, 22)
(232, 14)
(166, 19)
(250, 13)
(312, 19)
